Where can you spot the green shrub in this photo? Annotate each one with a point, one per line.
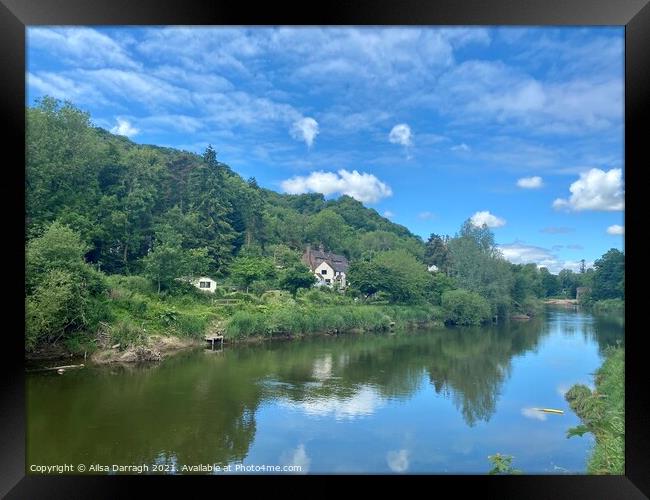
(127, 334)
(530, 306)
(243, 296)
(609, 306)
(602, 413)
(277, 298)
(192, 325)
(132, 283)
(462, 307)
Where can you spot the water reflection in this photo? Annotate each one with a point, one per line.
(199, 407)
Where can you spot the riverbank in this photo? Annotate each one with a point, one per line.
(155, 348)
(142, 325)
(561, 302)
(608, 306)
(602, 413)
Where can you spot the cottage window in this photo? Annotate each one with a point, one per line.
(328, 281)
(323, 271)
(204, 284)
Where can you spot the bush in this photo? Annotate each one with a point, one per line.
(530, 306)
(609, 306)
(59, 305)
(602, 413)
(462, 307)
(127, 334)
(132, 283)
(277, 297)
(243, 296)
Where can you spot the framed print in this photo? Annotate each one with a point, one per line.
(383, 241)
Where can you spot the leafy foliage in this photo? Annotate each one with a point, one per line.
(396, 273)
(603, 413)
(463, 307)
(502, 464)
(609, 276)
(64, 293)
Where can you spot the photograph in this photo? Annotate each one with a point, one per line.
(324, 250)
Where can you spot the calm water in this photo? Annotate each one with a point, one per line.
(434, 401)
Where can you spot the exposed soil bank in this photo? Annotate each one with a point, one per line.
(157, 347)
(561, 302)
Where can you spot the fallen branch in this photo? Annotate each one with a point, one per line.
(67, 367)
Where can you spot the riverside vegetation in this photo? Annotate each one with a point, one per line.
(602, 412)
(112, 225)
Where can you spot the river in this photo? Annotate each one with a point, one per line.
(427, 401)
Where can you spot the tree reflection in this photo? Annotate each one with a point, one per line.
(200, 407)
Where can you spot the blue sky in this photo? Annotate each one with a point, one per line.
(521, 128)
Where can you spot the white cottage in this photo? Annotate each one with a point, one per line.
(204, 284)
(329, 268)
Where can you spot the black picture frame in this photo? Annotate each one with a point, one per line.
(15, 15)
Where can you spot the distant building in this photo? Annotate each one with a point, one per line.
(581, 291)
(329, 268)
(203, 283)
(432, 268)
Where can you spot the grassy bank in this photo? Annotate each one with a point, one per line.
(137, 316)
(308, 319)
(602, 413)
(609, 306)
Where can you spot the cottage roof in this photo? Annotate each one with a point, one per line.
(313, 258)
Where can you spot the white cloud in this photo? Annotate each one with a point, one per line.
(461, 147)
(616, 229)
(361, 186)
(297, 457)
(305, 129)
(426, 215)
(388, 214)
(595, 190)
(530, 182)
(533, 413)
(398, 461)
(401, 134)
(557, 230)
(61, 87)
(80, 46)
(521, 253)
(493, 91)
(485, 217)
(365, 401)
(124, 127)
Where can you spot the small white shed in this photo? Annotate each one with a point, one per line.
(205, 284)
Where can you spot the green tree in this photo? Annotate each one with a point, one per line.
(550, 283)
(502, 464)
(568, 282)
(209, 201)
(168, 260)
(463, 307)
(295, 277)
(329, 229)
(63, 292)
(245, 270)
(439, 284)
(396, 273)
(609, 276)
(478, 265)
(437, 252)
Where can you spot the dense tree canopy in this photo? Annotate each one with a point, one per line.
(609, 276)
(98, 204)
(115, 193)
